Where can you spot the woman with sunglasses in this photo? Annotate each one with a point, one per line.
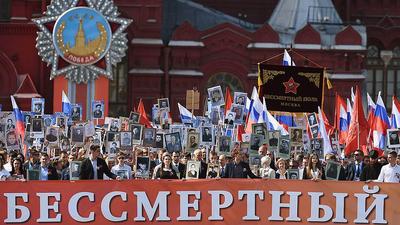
(166, 170)
(314, 169)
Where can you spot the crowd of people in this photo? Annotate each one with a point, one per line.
(182, 165)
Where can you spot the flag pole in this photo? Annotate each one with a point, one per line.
(358, 136)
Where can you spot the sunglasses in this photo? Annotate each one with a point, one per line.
(121, 157)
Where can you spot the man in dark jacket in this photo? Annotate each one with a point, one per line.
(93, 168)
(372, 170)
(238, 168)
(179, 167)
(46, 171)
(355, 168)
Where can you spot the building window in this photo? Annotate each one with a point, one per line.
(5, 10)
(118, 100)
(383, 80)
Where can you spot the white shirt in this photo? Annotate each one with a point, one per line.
(117, 167)
(4, 174)
(8, 167)
(389, 174)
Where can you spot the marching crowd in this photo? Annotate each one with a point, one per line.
(164, 165)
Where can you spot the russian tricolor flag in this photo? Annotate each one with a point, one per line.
(343, 126)
(380, 125)
(186, 115)
(66, 104)
(395, 120)
(349, 110)
(371, 110)
(19, 122)
(256, 109)
(287, 60)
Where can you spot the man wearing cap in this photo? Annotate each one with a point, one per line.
(94, 167)
(372, 170)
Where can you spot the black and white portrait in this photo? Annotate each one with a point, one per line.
(193, 139)
(173, 142)
(224, 144)
(393, 138)
(273, 139)
(229, 118)
(215, 115)
(296, 136)
(126, 139)
(312, 119)
(37, 106)
(149, 137)
(47, 120)
(142, 167)
(77, 134)
(239, 113)
(240, 98)
(163, 104)
(256, 141)
(212, 171)
(113, 147)
(98, 109)
(114, 125)
(284, 148)
(259, 128)
(74, 170)
(76, 112)
(192, 170)
(52, 134)
(61, 121)
(134, 117)
(159, 140)
(293, 174)
(216, 95)
(136, 133)
(314, 131)
(12, 140)
(206, 134)
(332, 171)
(37, 125)
(317, 146)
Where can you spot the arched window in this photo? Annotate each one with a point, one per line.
(118, 88)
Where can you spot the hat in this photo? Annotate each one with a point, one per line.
(373, 154)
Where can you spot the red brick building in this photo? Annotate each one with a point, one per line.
(176, 45)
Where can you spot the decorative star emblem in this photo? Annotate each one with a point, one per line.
(81, 73)
(291, 86)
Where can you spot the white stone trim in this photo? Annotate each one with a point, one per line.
(186, 73)
(307, 46)
(348, 47)
(343, 76)
(145, 71)
(252, 74)
(265, 45)
(146, 41)
(186, 43)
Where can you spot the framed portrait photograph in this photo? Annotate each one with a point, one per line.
(137, 130)
(37, 106)
(255, 160)
(216, 95)
(239, 113)
(47, 120)
(229, 118)
(224, 145)
(97, 109)
(240, 98)
(52, 135)
(113, 147)
(293, 174)
(173, 142)
(259, 128)
(393, 138)
(312, 119)
(193, 140)
(284, 148)
(215, 115)
(142, 167)
(77, 134)
(37, 125)
(159, 140)
(206, 134)
(192, 170)
(12, 142)
(317, 146)
(123, 174)
(27, 117)
(245, 147)
(33, 175)
(76, 112)
(112, 136)
(336, 148)
(273, 139)
(114, 125)
(314, 131)
(64, 144)
(74, 170)
(61, 121)
(149, 137)
(163, 104)
(212, 171)
(134, 117)
(332, 171)
(296, 136)
(126, 139)
(256, 141)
